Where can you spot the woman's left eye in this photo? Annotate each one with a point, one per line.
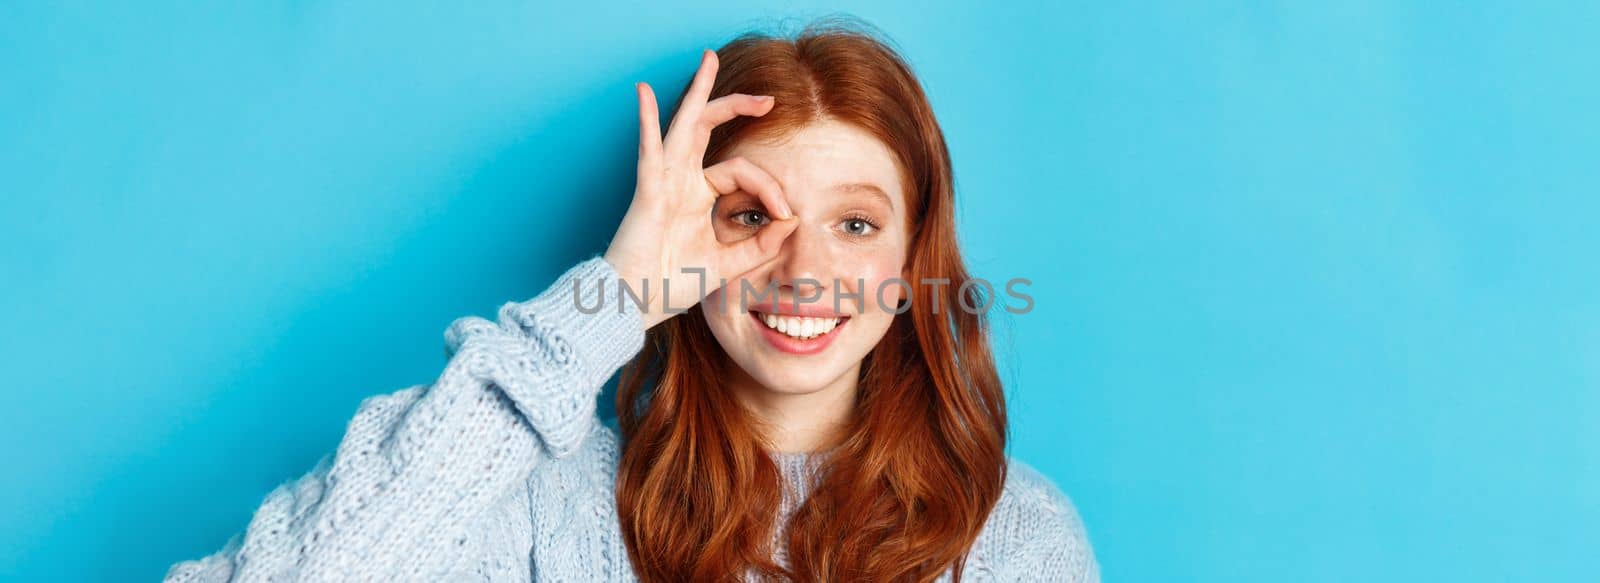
(858, 227)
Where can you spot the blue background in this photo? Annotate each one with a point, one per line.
(1317, 294)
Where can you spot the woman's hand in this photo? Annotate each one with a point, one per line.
(667, 228)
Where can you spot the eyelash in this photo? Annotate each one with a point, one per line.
(864, 219)
(736, 215)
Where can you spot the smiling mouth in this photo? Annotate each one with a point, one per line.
(799, 327)
(798, 335)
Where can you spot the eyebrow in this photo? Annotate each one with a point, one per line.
(867, 187)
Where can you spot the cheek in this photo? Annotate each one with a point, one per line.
(879, 284)
(715, 302)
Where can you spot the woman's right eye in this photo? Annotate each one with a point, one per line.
(750, 218)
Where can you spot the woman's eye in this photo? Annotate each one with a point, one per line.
(750, 218)
(858, 227)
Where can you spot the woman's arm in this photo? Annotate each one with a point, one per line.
(417, 466)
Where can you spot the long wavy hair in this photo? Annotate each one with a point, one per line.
(907, 486)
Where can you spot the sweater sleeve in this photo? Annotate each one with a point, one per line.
(1037, 532)
(415, 467)
(1069, 552)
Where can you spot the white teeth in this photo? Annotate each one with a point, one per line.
(799, 327)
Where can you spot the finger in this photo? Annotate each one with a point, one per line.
(749, 253)
(649, 127)
(733, 105)
(723, 109)
(735, 174)
(694, 101)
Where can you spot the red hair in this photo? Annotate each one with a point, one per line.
(907, 487)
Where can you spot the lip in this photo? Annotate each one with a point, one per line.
(808, 310)
(791, 345)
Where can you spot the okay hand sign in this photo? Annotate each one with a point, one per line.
(668, 225)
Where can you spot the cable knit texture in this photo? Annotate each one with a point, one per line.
(500, 470)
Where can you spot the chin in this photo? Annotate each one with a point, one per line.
(791, 379)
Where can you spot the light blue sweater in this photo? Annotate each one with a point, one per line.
(501, 471)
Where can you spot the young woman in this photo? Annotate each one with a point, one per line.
(824, 416)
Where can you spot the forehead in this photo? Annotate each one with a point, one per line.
(822, 156)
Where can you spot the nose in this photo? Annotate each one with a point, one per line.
(805, 264)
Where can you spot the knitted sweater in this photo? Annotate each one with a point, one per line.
(500, 470)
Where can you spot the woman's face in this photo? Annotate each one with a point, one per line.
(845, 189)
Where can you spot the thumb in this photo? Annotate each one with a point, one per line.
(737, 258)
